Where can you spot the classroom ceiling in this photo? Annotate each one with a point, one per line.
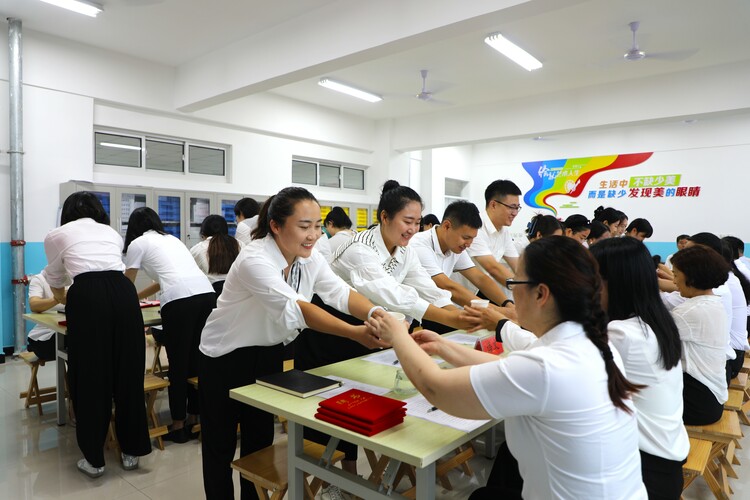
(581, 44)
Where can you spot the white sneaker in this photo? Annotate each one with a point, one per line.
(332, 492)
(129, 462)
(88, 469)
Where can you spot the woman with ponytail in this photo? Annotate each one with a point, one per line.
(216, 251)
(647, 338)
(569, 420)
(264, 304)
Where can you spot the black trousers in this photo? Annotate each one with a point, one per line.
(44, 349)
(313, 349)
(182, 323)
(735, 365)
(220, 416)
(504, 481)
(106, 359)
(700, 406)
(662, 477)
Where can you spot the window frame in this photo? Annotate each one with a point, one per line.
(342, 167)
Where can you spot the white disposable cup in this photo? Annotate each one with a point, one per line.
(397, 315)
(480, 303)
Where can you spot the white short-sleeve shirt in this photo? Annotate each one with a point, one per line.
(258, 307)
(568, 437)
(78, 247)
(167, 260)
(244, 229)
(38, 287)
(434, 261)
(701, 322)
(397, 282)
(659, 404)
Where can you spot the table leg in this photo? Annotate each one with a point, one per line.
(426, 482)
(295, 448)
(62, 356)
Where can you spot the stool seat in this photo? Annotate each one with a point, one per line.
(151, 386)
(739, 382)
(723, 436)
(267, 469)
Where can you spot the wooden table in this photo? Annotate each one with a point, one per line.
(416, 441)
(151, 317)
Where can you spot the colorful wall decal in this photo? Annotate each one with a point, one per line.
(569, 176)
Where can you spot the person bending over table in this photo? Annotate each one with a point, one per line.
(186, 300)
(569, 420)
(106, 353)
(266, 300)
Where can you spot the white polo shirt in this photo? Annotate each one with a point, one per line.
(258, 307)
(568, 437)
(81, 246)
(434, 261)
(489, 241)
(397, 282)
(702, 324)
(167, 260)
(660, 428)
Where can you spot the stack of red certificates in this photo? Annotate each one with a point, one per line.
(362, 412)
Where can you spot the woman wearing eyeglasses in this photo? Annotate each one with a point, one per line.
(569, 420)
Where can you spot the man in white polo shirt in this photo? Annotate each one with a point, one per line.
(441, 253)
(493, 242)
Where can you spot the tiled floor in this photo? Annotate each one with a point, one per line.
(37, 458)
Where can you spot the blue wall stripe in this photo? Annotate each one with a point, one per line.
(35, 260)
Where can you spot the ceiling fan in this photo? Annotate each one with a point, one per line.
(636, 54)
(424, 95)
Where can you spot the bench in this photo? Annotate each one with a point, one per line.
(267, 469)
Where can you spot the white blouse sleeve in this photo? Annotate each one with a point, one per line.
(516, 338)
(333, 290)
(267, 285)
(516, 385)
(370, 279)
(417, 277)
(55, 272)
(134, 256)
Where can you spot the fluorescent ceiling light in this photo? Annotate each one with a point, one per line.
(119, 146)
(513, 52)
(81, 6)
(346, 89)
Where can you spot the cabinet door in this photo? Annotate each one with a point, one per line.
(128, 200)
(199, 207)
(226, 203)
(170, 207)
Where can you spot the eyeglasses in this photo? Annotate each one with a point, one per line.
(513, 208)
(510, 283)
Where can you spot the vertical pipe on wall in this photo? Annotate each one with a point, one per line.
(16, 181)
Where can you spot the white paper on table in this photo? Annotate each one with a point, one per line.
(388, 357)
(419, 407)
(462, 338)
(347, 384)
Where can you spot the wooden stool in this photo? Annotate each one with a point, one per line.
(745, 364)
(697, 464)
(197, 427)
(34, 395)
(151, 386)
(735, 402)
(267, 469)
(156, 365)
(739, 382)
(722, 435)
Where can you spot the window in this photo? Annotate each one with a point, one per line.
(325, 174)
(166, 154)
(118, 150)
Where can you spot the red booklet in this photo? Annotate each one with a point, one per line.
(363, 406)
(489, 344)
(366, 430)
(149, 303)
(353, 421)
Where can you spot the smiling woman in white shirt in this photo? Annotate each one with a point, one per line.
(647, 338)
(266, 300)
(569, 420)
(701, 321)
(105, 341)
(186, 301)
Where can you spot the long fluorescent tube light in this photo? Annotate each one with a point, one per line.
(119, 146)
(346, 89)
(80, 6)
(513, 52)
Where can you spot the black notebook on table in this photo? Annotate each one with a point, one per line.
(298, 383)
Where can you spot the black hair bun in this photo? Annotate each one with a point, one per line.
(390, 184)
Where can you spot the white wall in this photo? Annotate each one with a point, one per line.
(711, 153)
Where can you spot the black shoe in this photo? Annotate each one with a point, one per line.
(180, 435)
